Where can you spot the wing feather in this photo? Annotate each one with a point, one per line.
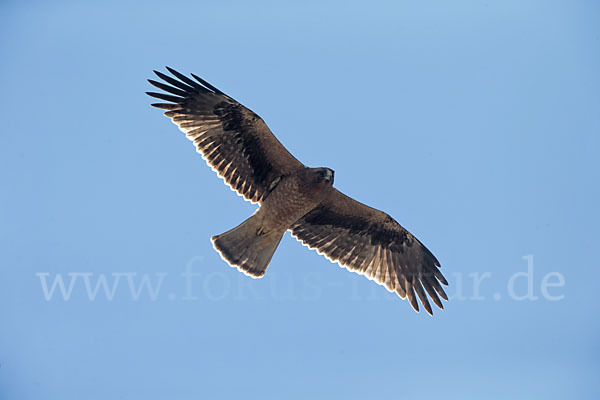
(232, 139)
(372, 243)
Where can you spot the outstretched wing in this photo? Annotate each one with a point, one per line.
(372, 243)
(232, 139)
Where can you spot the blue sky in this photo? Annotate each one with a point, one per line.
(474, 124)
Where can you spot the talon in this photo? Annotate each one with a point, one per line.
(261, 231)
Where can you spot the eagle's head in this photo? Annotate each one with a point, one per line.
(324, 175)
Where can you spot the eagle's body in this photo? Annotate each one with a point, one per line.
(239, 146)
(251, 245)
(294, 196)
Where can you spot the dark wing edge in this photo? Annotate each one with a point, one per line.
(234, 141)
(371, 243)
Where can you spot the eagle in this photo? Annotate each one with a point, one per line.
(242, 150)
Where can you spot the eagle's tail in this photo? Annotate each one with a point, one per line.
(248, 247)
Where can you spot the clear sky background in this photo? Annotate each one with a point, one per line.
(474, 123)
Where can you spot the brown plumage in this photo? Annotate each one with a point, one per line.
(239, 146)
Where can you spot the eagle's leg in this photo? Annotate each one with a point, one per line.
(261, 231)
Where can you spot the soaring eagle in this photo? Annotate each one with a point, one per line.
(239, 146)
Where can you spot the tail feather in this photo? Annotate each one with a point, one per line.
(244, 248)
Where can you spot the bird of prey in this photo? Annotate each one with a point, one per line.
(239, 146)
